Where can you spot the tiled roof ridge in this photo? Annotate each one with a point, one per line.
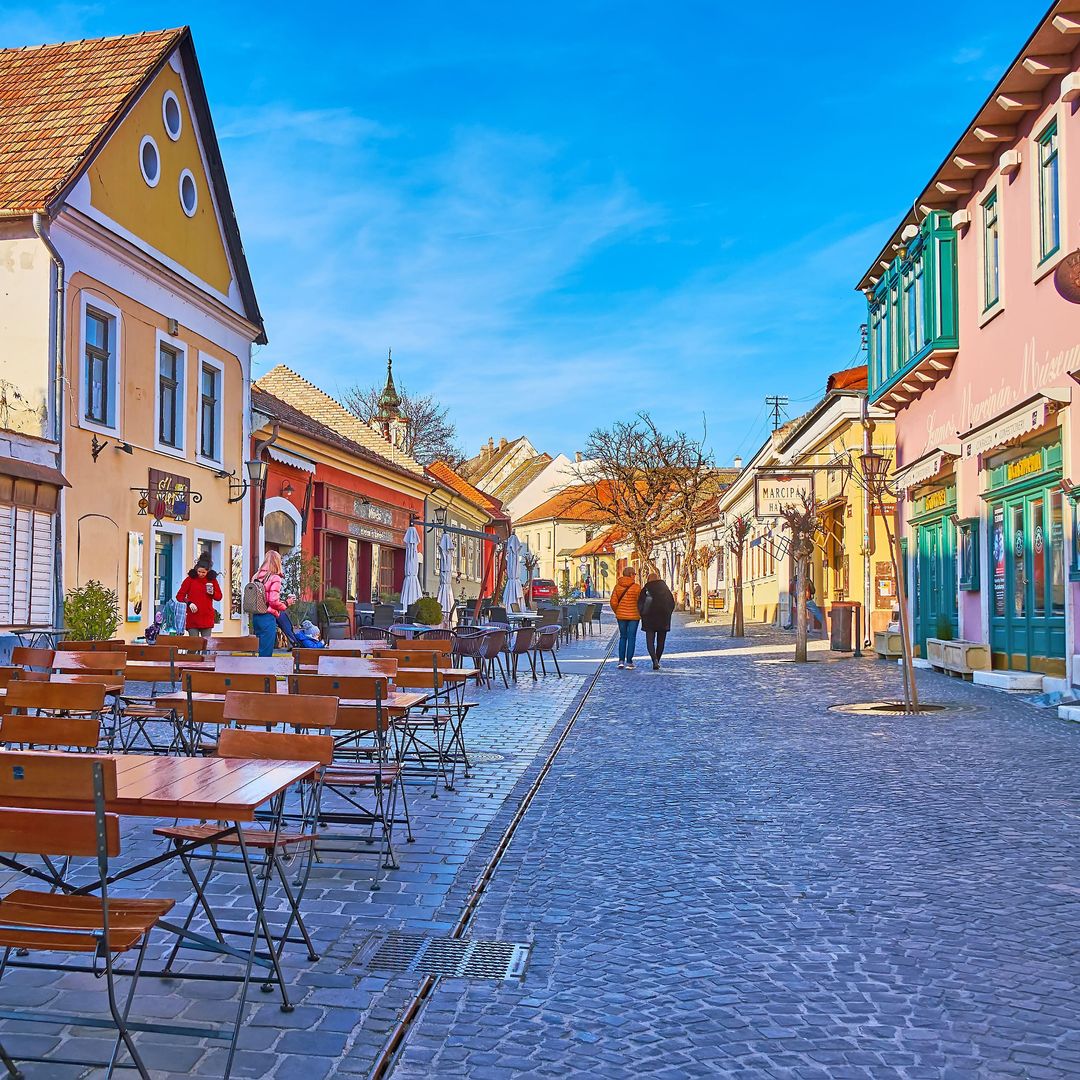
(93, 40)
(463, 487)
(328, 434)
(354, 425)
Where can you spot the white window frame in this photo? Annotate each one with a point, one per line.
(165, 99)
(206, 360)
(1039, 269)
(180, 561)
(147, 179)
(177, 346)
(986, 314)
(221, 557)
(98, 303)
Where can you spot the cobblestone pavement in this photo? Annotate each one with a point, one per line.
(720, 877)
(342, 1015)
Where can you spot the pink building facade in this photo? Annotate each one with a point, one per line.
(977, 350)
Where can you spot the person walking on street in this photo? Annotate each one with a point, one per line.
(197, 593)
(655, 605)
(624, 602)
(265, 625)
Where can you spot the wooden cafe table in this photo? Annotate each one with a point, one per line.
(227, 790)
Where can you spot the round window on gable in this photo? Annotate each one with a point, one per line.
(171, 115)
(149, 161)
(189, 193)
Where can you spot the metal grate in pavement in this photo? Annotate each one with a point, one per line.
(419, 954)
(889, 708)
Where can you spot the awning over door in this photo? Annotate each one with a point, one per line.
(1014, 425)
(295, 460)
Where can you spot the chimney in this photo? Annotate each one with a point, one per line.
(737, 462)
(503, 443)
(577, 456)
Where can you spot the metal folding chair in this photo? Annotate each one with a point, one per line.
(57, 922)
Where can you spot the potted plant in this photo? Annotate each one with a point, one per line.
(428, 611)
(91, 613)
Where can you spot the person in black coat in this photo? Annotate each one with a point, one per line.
(655, 604)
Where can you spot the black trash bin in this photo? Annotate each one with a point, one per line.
(842, 615)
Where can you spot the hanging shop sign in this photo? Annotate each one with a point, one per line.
(773, 493)
(369, 532)
(167, 495)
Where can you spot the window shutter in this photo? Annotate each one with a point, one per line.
(7, 565)
(41, 578)
(26, 559)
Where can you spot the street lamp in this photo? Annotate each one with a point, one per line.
(440, 515)
(256, 470)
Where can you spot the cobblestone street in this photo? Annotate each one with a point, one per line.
(718, 876)
(721, 877)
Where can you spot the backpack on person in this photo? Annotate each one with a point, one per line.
(254, 602)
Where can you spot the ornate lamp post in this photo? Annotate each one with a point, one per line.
(875, 470)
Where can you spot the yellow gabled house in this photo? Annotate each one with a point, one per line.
(127, 316)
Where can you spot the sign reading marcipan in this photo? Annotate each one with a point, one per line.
(772, 493)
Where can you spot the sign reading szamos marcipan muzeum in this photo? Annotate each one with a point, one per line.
(773, 493)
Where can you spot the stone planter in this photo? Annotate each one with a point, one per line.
(888, 644)
(961, 658)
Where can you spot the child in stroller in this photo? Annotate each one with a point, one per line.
(307, 637)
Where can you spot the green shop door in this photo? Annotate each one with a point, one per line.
(935, 597)
(1027, 597)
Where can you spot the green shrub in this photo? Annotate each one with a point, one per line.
(91, 613)
(335, 605)
(428, 611)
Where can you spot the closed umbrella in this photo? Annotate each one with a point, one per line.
(410, 587)
(513, 594)
(446, 566)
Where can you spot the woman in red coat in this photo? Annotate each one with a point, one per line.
(198, 591)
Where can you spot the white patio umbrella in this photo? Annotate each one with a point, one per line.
(410, 587)
(513, 594)
(446, 567)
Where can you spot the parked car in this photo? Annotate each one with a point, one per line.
(544, 589)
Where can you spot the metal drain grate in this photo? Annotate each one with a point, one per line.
(418, 954)
(888, 708)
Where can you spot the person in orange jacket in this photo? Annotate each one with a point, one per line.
(624, 598)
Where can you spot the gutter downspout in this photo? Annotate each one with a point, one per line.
(868, 523)
(57, 350)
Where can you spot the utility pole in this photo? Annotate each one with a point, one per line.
(776, 402)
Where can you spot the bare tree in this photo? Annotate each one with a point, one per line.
(804, 526)
(737, 534)
(430, 436)
(628, 477)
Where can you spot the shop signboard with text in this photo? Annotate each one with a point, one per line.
(774, 492)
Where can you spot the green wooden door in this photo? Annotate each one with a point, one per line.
(935, 595)
(1027, 569)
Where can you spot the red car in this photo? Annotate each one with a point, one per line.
(544, 589)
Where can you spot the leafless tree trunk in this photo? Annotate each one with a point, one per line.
(740, 530)
(803, 525)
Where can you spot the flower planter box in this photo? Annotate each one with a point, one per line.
(961, 658)
(888, 644)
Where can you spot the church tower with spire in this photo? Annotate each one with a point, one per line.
(389, 419)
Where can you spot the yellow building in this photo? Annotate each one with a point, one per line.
(851, 560)
(125, 274)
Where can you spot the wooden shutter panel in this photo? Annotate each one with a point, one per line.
(41, 579)
(7, 564)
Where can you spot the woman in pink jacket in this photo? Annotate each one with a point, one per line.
(265, 626)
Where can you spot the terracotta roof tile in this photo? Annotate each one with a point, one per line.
(604, 544)
(56, 104)
(307, 398)
(569, 505)
(448, 477)
(296, 420)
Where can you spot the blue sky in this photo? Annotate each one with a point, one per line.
(558, 214)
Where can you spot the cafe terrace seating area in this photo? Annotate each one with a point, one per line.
(217, 782)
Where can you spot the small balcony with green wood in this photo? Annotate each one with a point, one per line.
(913, 323)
